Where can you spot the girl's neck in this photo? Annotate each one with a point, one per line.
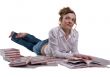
(67, 32)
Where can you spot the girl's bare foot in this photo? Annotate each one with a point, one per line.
(21, 35)
(11, 34)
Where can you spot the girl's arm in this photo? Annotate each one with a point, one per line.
(53, 47)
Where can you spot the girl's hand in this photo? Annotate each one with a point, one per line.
(86, 57)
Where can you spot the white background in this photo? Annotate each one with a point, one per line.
(37, 17)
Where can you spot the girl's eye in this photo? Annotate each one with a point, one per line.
(67, 18)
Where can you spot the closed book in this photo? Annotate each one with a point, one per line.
(22, 61)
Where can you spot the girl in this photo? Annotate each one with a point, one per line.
(62, 41)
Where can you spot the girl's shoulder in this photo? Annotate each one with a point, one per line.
(54, 31)
(75, 31)
(55, 28)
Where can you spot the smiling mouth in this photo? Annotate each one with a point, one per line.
(69, 25)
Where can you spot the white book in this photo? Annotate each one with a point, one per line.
(96, 62)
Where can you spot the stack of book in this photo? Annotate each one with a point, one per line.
(10, 54)
(22, 61)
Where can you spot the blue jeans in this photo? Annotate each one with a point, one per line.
(30, 42)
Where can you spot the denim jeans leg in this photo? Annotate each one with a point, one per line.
(32, 39)
(37, 48)
(22, 42)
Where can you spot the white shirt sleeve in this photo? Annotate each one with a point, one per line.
(53, 47)
(75, 46)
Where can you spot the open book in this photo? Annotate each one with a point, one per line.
(83, 63)
(30, 60)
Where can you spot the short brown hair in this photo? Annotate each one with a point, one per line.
(65, 11)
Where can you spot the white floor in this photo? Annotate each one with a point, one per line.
(38, 17)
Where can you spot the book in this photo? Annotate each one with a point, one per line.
(10, 54)
(81, 63)
(42, 60)
(19, 62)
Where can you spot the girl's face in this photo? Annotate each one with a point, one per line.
(67, 21)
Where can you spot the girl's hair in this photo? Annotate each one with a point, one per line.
(65, 11)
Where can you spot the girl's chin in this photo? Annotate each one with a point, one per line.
(69, 28)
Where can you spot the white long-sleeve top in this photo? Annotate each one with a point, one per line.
(59, 46)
